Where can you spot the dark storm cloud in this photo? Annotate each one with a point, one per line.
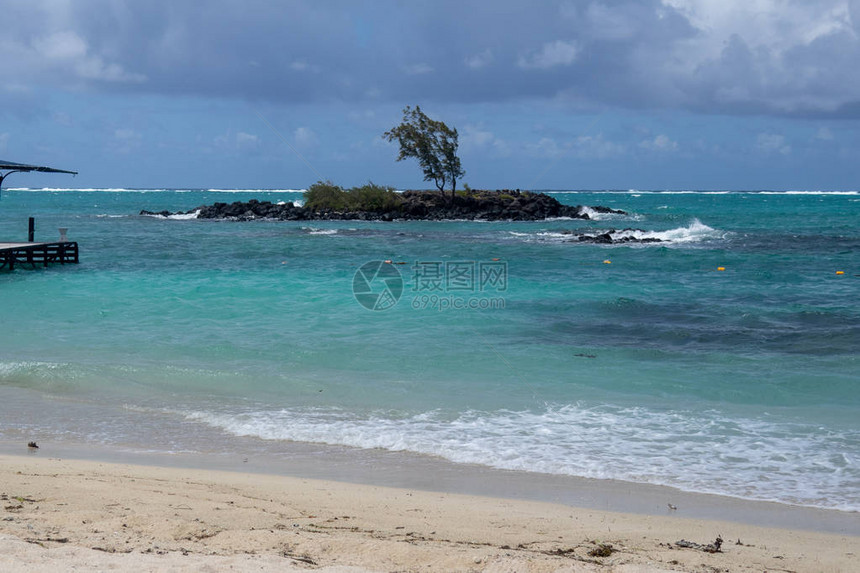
(788, 58)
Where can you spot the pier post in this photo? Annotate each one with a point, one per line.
(32, 230)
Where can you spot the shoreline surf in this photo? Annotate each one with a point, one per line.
(407, 470)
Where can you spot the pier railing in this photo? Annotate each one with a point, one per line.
(35, 254)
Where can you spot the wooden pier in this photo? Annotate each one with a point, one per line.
(12, 254)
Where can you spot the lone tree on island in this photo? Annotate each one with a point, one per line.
(432, 143)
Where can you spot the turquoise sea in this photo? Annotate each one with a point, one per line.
(509, 346)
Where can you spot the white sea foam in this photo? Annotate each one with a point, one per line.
(809, 192)
(592, 214)
(176, 216)
(695, 451)
(317, 231)
(255, 190)
(695, 232)
(184, 216)
(128, 190)
(639, 192)
(542, 236)
(598, 216)
(86, 190)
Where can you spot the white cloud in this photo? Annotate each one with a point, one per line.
(67, 50)
(824, 134)
(582, 147)
(418, 69)
(659, 143)
(546, 147)
(558, 53)
(61, 46)
(772, 143)
(303, 66)
(479, 60)
(775, 53)
(305, 137)
(476, 138)
(596, 147)
(777, 24)
(610, 23)
(247, 140)
(240, 141)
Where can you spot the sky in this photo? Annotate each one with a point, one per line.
(578, 94)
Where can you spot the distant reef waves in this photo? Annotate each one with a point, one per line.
(412, 206)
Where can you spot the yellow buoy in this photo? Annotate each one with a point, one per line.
(840, 272)
(721, 268)
(607, 262)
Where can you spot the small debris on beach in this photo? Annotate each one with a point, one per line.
(300, 558)
(709, 548)
(602, 550)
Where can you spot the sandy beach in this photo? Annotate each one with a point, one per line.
(61, 515)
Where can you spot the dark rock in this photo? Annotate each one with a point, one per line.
(607, 238)
(155, 213)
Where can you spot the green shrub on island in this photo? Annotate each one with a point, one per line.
(372, 197)
(326, 196)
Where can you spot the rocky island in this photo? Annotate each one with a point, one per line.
(327, 202)
(377, 204)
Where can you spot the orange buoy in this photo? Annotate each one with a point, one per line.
(721, 268)
(840, 272)
(607, 262)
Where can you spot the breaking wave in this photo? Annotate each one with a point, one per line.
(695, 232)
(696, 451)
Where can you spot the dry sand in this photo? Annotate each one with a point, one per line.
(63, 515)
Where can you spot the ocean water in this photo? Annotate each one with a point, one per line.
(502, 344)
